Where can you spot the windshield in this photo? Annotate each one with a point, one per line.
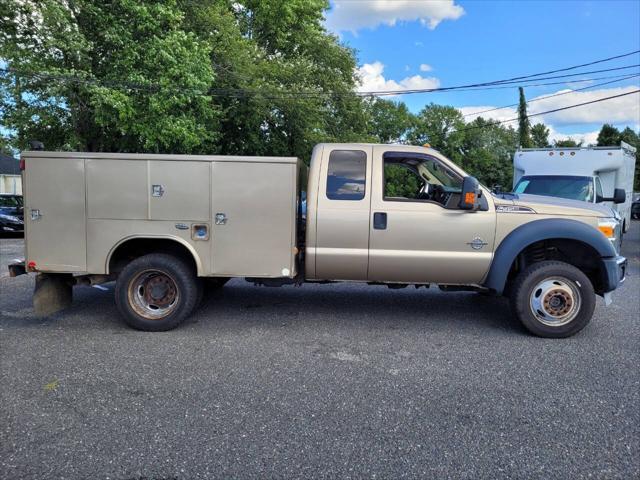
(563, 186)
(10, 201)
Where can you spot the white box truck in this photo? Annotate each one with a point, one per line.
(592, 174)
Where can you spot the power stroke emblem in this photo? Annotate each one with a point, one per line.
(477, 243)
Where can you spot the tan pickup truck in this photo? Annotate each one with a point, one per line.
(167, 227)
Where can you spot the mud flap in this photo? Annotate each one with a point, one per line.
(52, 293)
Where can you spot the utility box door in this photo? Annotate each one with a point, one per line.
(183, 190)
(55, 195)
(254, 215)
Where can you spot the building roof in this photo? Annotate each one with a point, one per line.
(9, 165)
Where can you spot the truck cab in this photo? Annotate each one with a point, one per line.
(391, 213)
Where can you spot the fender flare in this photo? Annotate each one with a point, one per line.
(536, 231)
(176, 239)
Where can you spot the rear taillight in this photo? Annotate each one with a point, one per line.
(22, 164)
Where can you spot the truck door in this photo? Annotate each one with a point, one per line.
(417, 234)
(344, 197)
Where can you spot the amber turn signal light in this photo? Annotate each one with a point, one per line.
(470, 198)
(607, 230)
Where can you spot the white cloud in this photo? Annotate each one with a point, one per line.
(352, 16)
(587, 138)
(471, 113)
(372, 79)
(424, 67)
(616, 110)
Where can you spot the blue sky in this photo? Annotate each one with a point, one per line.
(459, 42)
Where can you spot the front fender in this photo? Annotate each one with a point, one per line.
(536, 231)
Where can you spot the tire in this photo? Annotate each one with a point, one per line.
(200, 295)
(156, 292)
(553, 299)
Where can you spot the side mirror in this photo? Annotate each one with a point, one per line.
(470, 194)
(619, 196)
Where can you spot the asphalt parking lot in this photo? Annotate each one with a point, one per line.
(323, 381)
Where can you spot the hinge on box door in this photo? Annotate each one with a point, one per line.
(35, 214)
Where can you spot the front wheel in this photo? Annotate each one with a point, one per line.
(553, 299)
(157, 292)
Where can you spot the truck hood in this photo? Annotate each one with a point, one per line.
(560, 206)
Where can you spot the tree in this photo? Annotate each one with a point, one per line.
(487, 152)
(540, 136)
(524, 126)
(608, 136)
(103, 75)
(566, 143)
(440, 126)
(388, 121)
(206, 76)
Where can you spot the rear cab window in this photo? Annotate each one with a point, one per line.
(346, 176)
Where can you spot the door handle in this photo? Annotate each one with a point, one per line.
(380, 221)
(35, 214)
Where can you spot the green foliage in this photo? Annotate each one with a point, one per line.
(540, 136)
(440, 126)
(107, 75)
(488, 149)
(609, 136)
(387, 121)
(400, 182)
(524, 126)
(213, 76)
(483, 148)
(133, 75)
(566, 143)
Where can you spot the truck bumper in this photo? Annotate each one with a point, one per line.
(615, 270)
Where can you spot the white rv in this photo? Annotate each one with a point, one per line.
(592, 174)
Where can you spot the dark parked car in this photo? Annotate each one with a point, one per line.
(635, 208)
(11, 214)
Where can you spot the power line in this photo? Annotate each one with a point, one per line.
(578, 66)
(554, 95)
(473, 127)
(244, 92)
(228, 92)
(500, 83)
(564, 82)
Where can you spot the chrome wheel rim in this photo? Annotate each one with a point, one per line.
(153, 294)
(555, 301)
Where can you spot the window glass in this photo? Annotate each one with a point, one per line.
(346, 175)
(420, 178)
(522, 186)
(599, 188)
(563, 186)
(10, 201)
